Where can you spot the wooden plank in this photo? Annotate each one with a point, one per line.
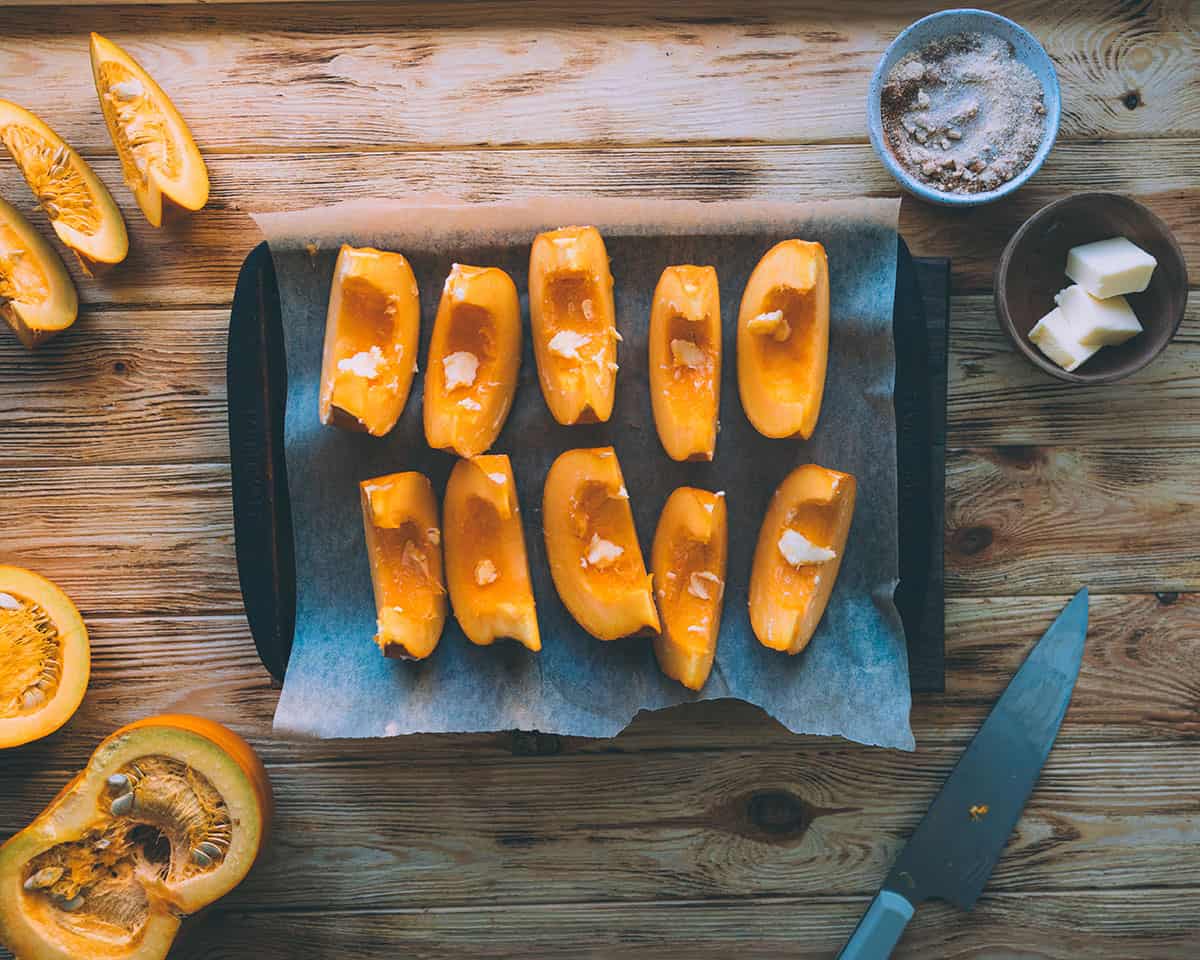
(195, 260)
(1036, 520)
(557, 73)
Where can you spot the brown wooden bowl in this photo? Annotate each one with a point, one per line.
(1030, 273)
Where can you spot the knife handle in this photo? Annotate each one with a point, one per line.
(879, 930)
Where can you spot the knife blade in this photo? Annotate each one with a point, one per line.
(957, 844)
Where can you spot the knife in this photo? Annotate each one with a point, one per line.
(956, 846)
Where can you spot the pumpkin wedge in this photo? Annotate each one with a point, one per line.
(168, 815)
(474, 359)
(45, 658)
(799, 553)
(79, 206)
(685, 361)
(783, 339)
(487, 570)
(592, 546)
(159, 158)
(404, 545)
(573, 321)
(37, 297)
(371, 332)
(688, 563)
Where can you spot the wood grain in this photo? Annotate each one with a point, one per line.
(500, 73)
(195, 260)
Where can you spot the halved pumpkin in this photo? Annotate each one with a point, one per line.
(487, 569)
(799, 553)
(474, 358)
(688, 562)
(404, 544)
(574, 327)
(169, 815)
(45, 658)
(685, 361)
(371, 332)
(79, 206)
(159, 158)
(592, 546)
(783, 339)
(37, 297)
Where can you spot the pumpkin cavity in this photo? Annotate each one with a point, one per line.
(21, 278)
(55, 177)
(141, 130)
(30, 656)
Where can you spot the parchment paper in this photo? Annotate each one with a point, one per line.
(852, 680)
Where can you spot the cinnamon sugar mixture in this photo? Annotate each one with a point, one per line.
(963, 114)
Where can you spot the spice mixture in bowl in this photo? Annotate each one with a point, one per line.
(962, 110)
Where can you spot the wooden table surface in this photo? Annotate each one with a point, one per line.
(699, 832)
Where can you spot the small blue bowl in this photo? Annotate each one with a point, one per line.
(947, 23)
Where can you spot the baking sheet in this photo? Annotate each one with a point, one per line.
(851, 681)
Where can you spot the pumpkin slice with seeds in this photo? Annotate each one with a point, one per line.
(159, 158)
(44, 657)
(169, 814)
(78, 204)
(37, 297)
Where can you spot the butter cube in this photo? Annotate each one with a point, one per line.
(1055, 338)
(1109, 268)
(1097, 323)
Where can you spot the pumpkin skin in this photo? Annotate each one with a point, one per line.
(571, 298)
(479, 320)
(404, 545)
(189, 781)
(781, 366)
(162, 161)
(786, 601)
(371, 332)
(37, 297)
(79, 206)
(592, 546)
(688, 561)
(487, 569)
(38, 695)
(685, 361)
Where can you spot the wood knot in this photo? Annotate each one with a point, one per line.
(1020, 456)
(531, 743)
(120, 367)
(778, 812)
(1167, 598)
(1132, 99)
(972, 540)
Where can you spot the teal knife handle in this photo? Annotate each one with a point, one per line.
(879, 930)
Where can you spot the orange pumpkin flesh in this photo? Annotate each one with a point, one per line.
(592, 546)
(371, 332)
(79, 206)
(45, 658)
(788, 600)
(37, 297)
(159, 158)
(169, 815)
(474, 358)
(400, 517)
(685, 361)
(783, 339)
(574, 324)
(688, 561)
(487, 570)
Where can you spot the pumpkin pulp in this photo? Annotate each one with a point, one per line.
(37, 297)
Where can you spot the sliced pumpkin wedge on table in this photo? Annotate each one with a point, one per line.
(79, 206)
(45, 658)
(685, 361)
(169, 815)
(37, 297)
(688, 562)
(371, 333)
(783, 339)
(474, 359)
(159, 158)
(799, 553)
(404, 545)
(592, 546)
(487, 569)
